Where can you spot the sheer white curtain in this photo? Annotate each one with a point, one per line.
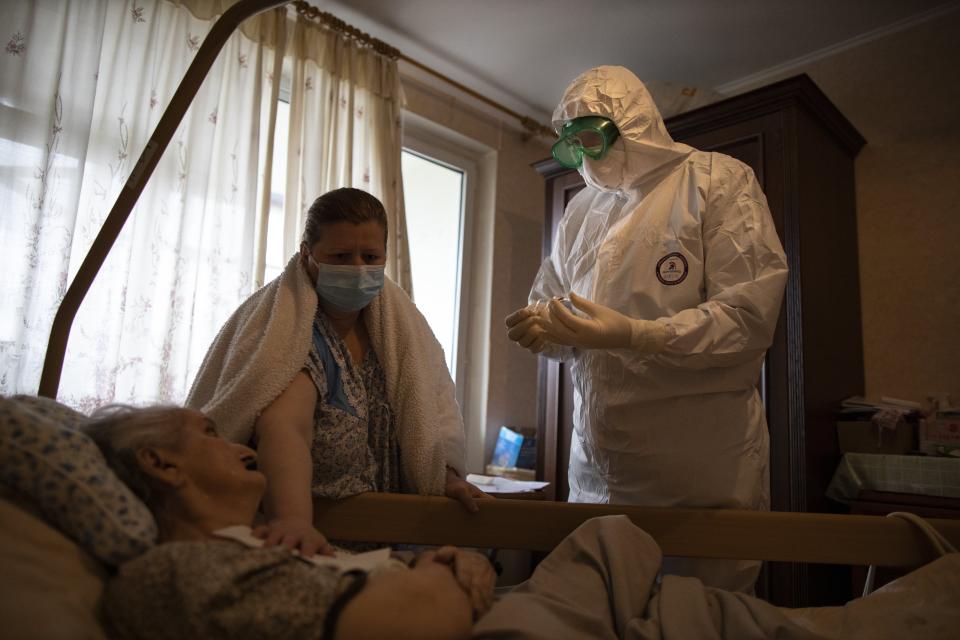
(345, 104)
(82, 85)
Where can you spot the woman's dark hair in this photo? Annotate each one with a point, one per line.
(342, 205)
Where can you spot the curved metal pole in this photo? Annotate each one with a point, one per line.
(222, 29)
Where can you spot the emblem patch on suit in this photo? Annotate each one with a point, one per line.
(672, 269)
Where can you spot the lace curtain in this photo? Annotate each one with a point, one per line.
(345, 104)
(83, 85)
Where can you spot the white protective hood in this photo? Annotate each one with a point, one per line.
(644, 146)
(684, 238)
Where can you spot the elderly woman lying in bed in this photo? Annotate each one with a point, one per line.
(600, 582)
(335, 377)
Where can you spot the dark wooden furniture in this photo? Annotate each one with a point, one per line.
(802, 150)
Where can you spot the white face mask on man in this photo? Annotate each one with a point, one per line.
(606, 174)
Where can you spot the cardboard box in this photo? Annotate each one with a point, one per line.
(940, 436)
(527, 459)
(863, 436)
(512, 473)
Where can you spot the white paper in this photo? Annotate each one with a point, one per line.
(342, 562)
(496, 484)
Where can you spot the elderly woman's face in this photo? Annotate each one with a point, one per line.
(346, 243)
(214, 465)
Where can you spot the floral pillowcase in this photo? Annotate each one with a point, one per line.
(45, 458)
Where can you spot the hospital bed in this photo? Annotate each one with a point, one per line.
(517, 524)
(50, 585)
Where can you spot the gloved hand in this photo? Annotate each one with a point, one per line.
(603, 328)
(526, 326)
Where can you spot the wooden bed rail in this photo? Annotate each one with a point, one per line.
(708, 533)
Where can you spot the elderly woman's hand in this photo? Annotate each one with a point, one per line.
(473, 572)
(294, 533)
(464, 492)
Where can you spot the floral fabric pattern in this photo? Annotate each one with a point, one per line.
(354, 447)
(16, 44)
(219, 589)
(46, 458)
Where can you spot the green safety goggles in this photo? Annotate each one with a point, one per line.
(588, 135)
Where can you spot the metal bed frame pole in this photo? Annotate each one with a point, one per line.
(222, 29)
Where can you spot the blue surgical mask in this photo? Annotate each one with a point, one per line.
(349, 287)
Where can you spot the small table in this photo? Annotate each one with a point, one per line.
(914, 475)
(878, 484)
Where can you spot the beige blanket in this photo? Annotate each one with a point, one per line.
(601, 582)
(925, 603)
(266, 341)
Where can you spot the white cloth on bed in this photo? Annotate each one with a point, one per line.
(601, 582)
(265, 342)
(343, 560)
(925, 603)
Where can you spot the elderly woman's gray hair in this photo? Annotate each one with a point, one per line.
(121, 430)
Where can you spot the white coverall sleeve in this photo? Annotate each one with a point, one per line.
(551, 283)
(745, 271)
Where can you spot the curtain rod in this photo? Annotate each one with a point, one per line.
(334, 23)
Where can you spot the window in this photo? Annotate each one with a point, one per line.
(433, 200)
(275, 258)
(439, 178)
(449, 193)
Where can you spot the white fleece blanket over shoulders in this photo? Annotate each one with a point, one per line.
(265, 343)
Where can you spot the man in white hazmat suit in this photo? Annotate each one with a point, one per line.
(675, 272)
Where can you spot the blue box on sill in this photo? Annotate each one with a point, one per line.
(507, 449)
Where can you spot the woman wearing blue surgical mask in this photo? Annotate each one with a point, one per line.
(308, 372)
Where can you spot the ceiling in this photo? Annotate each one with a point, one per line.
(523, 53)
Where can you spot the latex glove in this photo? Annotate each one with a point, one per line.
(527, 326)
(603, 328)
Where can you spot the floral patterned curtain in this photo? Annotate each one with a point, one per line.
(345, 104)
(82, 86)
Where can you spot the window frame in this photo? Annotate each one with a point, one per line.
(432, 146)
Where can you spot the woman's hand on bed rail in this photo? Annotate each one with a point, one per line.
(464, 492)
(473, 572)
(294, 533)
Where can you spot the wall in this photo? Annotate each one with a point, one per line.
(902, 92)
(510, 256)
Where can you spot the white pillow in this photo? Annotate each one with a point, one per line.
(45, 458)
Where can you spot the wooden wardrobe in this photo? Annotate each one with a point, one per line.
(802, 150)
